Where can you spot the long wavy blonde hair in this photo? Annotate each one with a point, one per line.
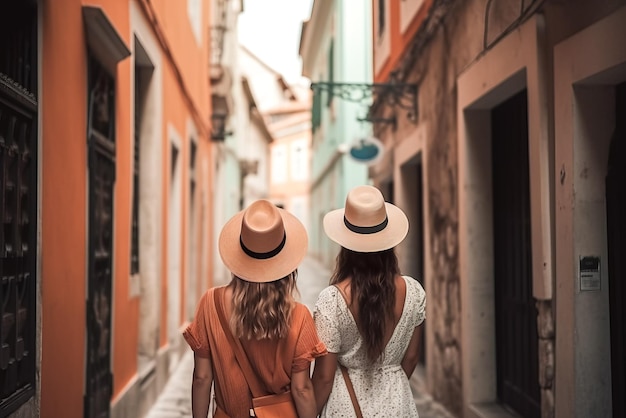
(262, 310)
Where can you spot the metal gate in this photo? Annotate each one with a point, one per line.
(18, 203)
(516, 315)
(616, 236)
(101, 145)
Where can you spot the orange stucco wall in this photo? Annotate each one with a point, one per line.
(64, 197)
(63, 208)
(185, 97)
(399, 41)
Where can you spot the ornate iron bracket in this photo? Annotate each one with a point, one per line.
(394, 95)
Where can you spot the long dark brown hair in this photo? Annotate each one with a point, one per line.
(373, 289)
(262, 310)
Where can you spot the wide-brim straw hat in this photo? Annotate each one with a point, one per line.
(262, 243)
(367, 223)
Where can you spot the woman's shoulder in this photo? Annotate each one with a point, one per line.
(414, 286)
(328, 293)
(328, 301)
(301, 309)
(210, 292)
(417, 297)
(209, 296)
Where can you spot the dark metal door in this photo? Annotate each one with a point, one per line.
(101, 144)
(616, 236)
(516, 315)
(18, 204)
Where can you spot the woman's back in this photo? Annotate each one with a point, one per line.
(390, 320)
(381, 386)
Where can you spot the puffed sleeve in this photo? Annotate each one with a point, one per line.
(197, 333)
(326, 317)
(418, 295)
(309, 346)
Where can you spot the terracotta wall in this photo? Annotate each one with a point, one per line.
(64, 175)
(399, 40)
(63, 208)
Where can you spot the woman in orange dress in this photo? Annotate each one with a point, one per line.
(262, 247)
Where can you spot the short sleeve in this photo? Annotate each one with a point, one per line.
(197, 333)
(326, 319)
(309, 346)
(418, 297)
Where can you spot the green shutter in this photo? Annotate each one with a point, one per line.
(316, 110)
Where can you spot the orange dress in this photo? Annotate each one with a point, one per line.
(272, 360)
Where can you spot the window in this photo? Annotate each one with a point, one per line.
(381, 17)
(279, 164)
(299, 163)
(194, 12)
(105, 49)
(134, 252)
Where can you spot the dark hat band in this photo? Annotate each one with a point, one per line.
(366, 229)
(263, 256)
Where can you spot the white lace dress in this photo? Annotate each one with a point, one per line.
(382, 388)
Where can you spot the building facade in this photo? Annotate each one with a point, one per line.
(290, 159)
(510, 170)
(245, 89)
(104, 120)
(335, 47)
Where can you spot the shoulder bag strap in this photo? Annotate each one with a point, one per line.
(355, 402)
(240, 355)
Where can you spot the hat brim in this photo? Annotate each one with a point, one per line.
(392, 235)
(263, 270)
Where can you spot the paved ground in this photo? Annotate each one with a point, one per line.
(175, 401)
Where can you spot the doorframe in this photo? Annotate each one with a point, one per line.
(151, 194)
(584, 119)
(175, 237)
(515, 63)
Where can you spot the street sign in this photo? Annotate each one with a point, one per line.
(366, 150)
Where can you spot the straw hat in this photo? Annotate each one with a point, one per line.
(262, 243)
(367, 224)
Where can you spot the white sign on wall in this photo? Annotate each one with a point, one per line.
(589, 273)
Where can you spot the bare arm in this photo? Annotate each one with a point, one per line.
(411, 357)
(302, 393)
(201, 386)
(323, 378)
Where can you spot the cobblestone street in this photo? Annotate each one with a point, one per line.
(175, 400)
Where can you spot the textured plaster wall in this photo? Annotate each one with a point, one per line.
(454, 45)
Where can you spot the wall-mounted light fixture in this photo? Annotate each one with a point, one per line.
(218, 127)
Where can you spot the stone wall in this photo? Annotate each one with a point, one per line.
(455, 35)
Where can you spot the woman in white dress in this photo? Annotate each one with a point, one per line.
(370, 316)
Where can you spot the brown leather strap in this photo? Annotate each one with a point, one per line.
(248, 373)
(355, 402)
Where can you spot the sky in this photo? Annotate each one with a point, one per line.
(271, 30)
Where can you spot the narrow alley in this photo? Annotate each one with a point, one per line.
(131, 131)
(175, 400)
